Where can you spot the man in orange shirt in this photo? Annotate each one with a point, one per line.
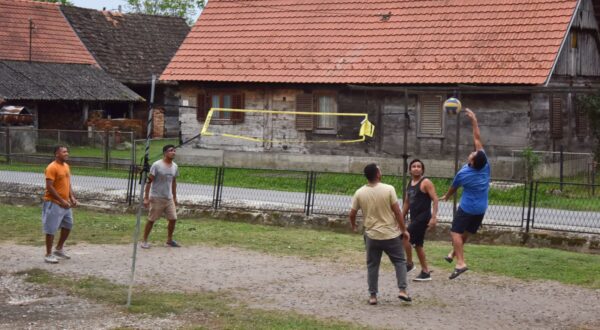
(58, 201)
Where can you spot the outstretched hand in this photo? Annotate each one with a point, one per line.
(470, 114)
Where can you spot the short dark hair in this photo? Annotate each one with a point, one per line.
(415, 161)
(167, 147)
(479, 160)
(58, 147)
(371, 171)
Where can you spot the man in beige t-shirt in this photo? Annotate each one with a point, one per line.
(384, 229)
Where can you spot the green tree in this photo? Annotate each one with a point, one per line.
(590, 103)
(180, 8)
(62, 2)
(532, 163)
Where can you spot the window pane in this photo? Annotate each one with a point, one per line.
(326, 103)
(226, 104)
(216, 102)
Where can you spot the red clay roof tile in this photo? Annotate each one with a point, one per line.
(374, 42)
(53, 39)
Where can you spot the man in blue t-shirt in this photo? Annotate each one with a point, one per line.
(474, 177)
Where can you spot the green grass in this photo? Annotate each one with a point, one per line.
(22, 225)
(571, 198)
(202, 309)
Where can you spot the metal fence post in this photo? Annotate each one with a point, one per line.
(7, 140)
(106, 146)
(529, 207)
(314, 189)
(218, 187)
(562, 165)
(309, 192)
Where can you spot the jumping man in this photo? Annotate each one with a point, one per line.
(474, 177)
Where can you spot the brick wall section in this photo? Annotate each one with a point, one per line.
(158, 123)
(125, 125)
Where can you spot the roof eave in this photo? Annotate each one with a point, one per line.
(563, 43)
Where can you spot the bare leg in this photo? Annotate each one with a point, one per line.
(49, 241)
(148, 229)
(458, 244)
(170, 230)
(422, 259)
(408, 250)
(64, 234)
(465, 235)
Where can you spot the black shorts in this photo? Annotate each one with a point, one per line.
(417, 228)
(464, 221)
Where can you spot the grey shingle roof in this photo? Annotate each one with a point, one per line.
(58, 81)
(130, 47)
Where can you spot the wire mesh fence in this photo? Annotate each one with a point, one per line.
(573, 207)
(89, 184)
(556, 166)
(103, 149)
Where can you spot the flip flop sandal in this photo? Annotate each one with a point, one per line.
(372, 301)
(457, 271)
(448, 259)
(405, 298)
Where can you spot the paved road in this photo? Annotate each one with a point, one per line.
(112, 188)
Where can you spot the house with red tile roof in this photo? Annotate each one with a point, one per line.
(45, 66)
(131, 48)
(519, 64)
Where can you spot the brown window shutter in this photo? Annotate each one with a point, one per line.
(304, 103)
(580, 122)
(237, 102)
(201, 107)
(556, 127)
(430, 116)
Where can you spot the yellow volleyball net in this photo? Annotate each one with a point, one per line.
(287, 126)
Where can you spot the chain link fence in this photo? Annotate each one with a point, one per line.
(539, 204)
(556, 166)
(98, 149)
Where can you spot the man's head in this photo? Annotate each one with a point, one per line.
(372, 172)
(477, 159)
(61, 153)
(416, 168)
(169, 151)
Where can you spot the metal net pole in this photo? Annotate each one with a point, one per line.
(144, 176)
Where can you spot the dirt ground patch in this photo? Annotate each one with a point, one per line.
(321, 289)
(25, 305)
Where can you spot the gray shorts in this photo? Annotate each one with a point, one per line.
(54, 217)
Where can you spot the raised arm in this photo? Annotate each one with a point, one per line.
(476, 134)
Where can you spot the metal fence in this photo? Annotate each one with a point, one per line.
(103, 149)
(573, 207)
(560, 166)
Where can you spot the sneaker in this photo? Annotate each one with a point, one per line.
(422, 277)
(173, 244)
(410, 268)
(61, 254)
(51, 259)
(145, 245)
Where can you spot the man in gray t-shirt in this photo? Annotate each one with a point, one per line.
(161, 195)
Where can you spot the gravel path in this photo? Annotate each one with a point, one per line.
(331, 290)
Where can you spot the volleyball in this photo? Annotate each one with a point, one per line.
(452, 106)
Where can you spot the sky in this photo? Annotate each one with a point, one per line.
(99, 4)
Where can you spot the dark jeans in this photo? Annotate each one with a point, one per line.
(395, 251)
